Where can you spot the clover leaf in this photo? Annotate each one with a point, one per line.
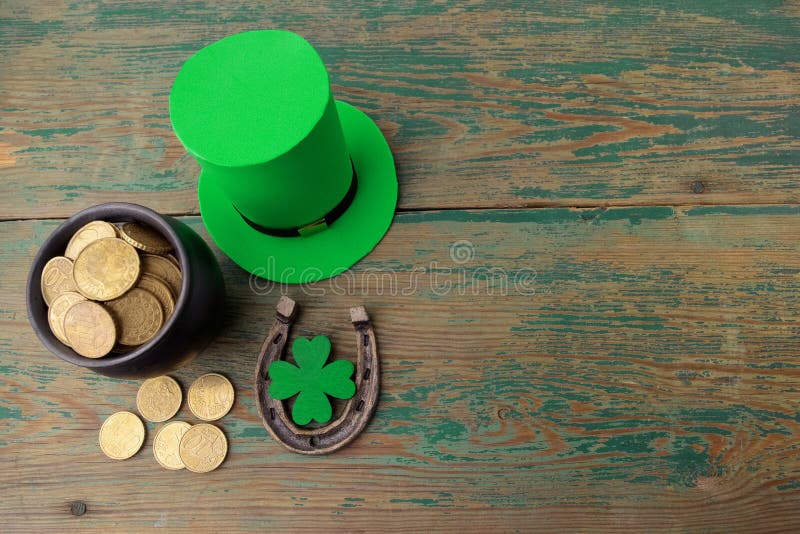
(311, 380)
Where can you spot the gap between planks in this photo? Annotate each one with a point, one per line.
(541, 206)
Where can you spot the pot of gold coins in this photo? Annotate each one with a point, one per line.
(125, 292)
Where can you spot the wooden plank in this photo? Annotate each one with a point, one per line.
(555, 103)
(640, 375)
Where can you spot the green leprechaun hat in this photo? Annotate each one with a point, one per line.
(295, 186)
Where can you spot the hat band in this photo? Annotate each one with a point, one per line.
(317, 226)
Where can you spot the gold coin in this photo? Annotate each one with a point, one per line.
(160, 291)
(56, 313)
(210, 397)
(145, 238)
(90, 329)
(106, 269)
(159, 399)
(121, 435)
(121, 349)
(138, 316)
(174, 260)
(162, 268)
(203, 448)
(167, 443)
(91, 232)
(57, 278)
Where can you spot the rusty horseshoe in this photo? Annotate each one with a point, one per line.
(358, 410)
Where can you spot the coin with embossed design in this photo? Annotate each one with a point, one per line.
(138, 316)
(160, 291)
(162, 268)
(145, 238)
(89, 329)
(88, 233)
(159, 398)
(210, 397)
(57, 311)
(203, 448)
(121, 435)
(106, 269)
(167, 442)
(57, 278)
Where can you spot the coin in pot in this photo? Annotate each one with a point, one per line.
(106, 269)
(160, 291)
(89, 329)
(138, 315)
(162, 268)
(173, 259)
(145, 238)
(56, 313)
(57, 278)
(88, 233)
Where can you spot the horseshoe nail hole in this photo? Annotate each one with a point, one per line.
(313, 441)
(277, 338)
(360, 405)
(366, 339)
(367, 373)
(272, 413)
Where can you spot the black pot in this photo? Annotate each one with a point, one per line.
(198, 308)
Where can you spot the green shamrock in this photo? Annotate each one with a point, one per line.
(312, 379)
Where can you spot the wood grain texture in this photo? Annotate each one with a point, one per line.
(640, 372)
(586, 310)
(510, 103)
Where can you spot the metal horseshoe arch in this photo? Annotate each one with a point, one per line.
(357, 411)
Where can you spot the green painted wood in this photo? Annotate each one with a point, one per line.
(639, 371)
(623, 369)
(511, 104)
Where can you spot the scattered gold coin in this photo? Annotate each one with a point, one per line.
(210, 397)
(145, 238)
(88, 233)
(89, 329)
(57, 311)
(160, 291)
(57, 278)
(159, 398)
(138, 315)
(177, 445)
(203, 448)
(121, 435)
(106, 269)
(163, 269)
(167, 443)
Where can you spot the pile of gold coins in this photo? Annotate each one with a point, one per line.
(199, 448)
(112, 290)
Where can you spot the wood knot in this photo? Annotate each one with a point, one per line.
(503, 413)
(698, 187)
(77, 508)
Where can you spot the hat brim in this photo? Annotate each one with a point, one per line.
(329, 252)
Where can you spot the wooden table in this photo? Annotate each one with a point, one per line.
(587, 306)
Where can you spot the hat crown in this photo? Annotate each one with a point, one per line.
(256, 111)
(279, 153)
(249, 97)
